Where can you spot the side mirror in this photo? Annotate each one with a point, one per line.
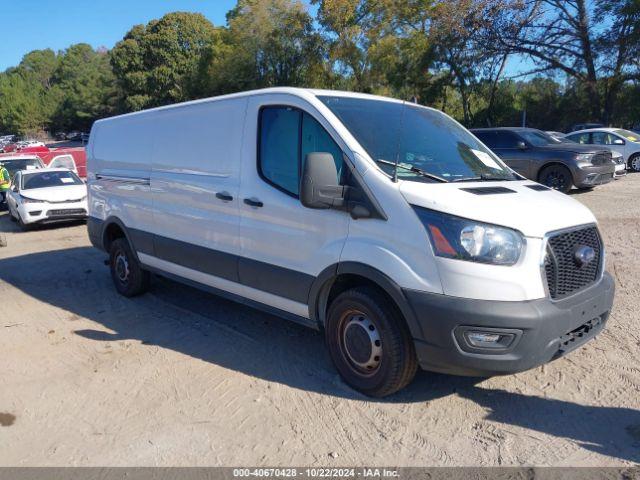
(318, 186)
(521, 145)
(618, 141)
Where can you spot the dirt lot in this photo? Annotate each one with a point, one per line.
(178, 377)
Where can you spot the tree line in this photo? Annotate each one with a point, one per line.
(581, 61)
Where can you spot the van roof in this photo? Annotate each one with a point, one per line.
(300, 92)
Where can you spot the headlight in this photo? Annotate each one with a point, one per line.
(462, 239)
(30, 200)
(585, 158)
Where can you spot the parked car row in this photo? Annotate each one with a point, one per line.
(583, 159)
(22, 145)
(41, 193)
(74, 135)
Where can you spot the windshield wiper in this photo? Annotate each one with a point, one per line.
(413, 169)
(483, 178)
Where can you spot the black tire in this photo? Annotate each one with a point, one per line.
(557, 177)
(128, 276)
(369, 342)
(634, 162)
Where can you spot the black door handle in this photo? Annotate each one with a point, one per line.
(224, 196)
(253, 202)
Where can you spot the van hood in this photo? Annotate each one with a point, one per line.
(532, 212)
(56, 194)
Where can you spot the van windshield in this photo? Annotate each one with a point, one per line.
(428, 145)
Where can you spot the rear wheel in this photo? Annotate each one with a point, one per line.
(369, 343)
(128, 276)
(634, 162)
(557, 177)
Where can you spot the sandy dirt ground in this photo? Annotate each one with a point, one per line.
(179, 377)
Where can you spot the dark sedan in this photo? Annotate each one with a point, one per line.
(538, 156)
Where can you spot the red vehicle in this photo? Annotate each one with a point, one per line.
(10, 147)
(78, 156)
(74, 158)
(37, 149)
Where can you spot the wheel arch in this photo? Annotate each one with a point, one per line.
(552, 163)
(631, 158)
(113, 228)
(340, 277)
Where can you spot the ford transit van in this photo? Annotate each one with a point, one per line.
(385, 224)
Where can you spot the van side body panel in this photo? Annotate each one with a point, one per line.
(119, 171)
(196, 159)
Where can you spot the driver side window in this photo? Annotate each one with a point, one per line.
(287, 135)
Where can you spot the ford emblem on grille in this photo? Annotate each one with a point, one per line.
(584, 255)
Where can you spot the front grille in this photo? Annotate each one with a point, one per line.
(564, 273)
(66, 211)
(573, 339)
(602, 158)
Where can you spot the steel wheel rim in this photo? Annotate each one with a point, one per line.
(121, 267)
(635, 164)
(360, 343)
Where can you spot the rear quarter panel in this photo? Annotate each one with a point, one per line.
(118, 170)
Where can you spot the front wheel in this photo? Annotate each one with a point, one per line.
(369, 343)
(634, 162)
(556, 177)
(128, 276)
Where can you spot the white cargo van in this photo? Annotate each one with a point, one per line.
(383, 223)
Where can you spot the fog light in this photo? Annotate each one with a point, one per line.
(479, 339)
(488, 339)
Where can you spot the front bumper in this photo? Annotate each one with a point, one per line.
(590, 176)
(42, 213)
(542, 329)
(621, 170)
